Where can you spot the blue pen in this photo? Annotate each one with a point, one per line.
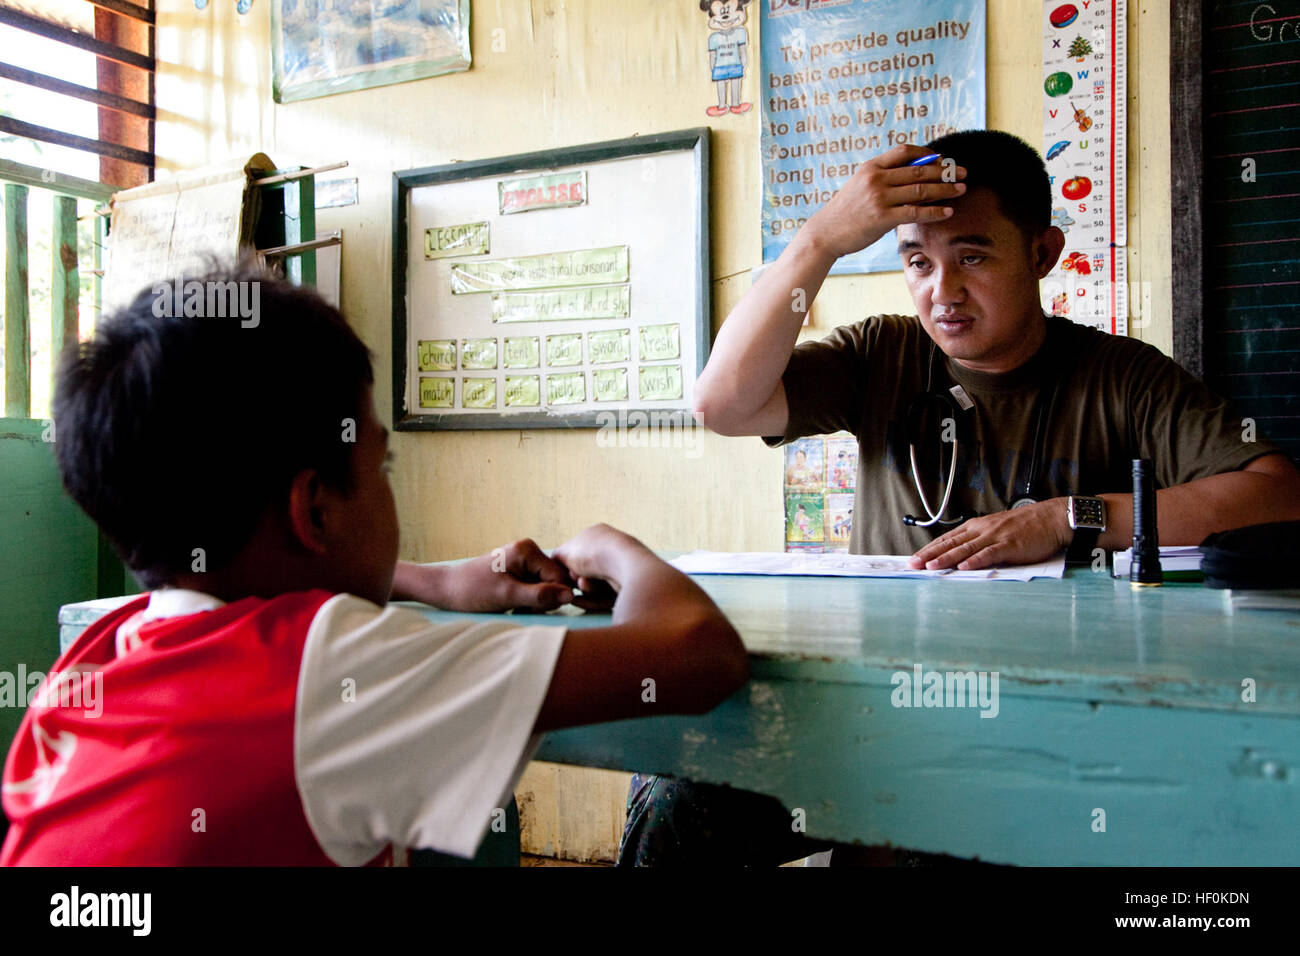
(924, 160)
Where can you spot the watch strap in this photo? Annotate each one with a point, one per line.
(1085, 537)
(1081, 548)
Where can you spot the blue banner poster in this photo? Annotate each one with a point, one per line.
(845, 80)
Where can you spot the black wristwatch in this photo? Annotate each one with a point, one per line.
(1087, 518)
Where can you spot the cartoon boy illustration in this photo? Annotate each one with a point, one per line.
(801, 522)
(728, 44)
(840, 473)
(799, 473)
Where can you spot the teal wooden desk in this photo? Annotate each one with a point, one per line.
(1115, 708)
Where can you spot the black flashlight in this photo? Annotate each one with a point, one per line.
(1145, 570)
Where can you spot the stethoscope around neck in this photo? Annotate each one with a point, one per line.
(955, 403)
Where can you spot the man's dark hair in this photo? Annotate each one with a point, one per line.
(176, 432)
(1009, 167)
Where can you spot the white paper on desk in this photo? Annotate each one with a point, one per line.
(847, 566)
(1052, 568)
(1172, 558)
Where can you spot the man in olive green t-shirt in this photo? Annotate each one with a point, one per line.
(1069, 420)
(1054, 410)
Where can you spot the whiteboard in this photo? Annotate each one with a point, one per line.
(566, 314)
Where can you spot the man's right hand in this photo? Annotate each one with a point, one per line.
(740, 391)
(884, 192)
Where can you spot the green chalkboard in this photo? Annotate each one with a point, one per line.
(1251, 203)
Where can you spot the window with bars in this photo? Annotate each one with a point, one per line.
(76, 125)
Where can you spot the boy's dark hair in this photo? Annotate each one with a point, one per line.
(1009, 167)
(178, 432)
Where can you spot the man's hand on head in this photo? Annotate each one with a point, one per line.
(1019, 536)
(883, 193)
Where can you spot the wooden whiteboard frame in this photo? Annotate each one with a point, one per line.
(693, 208)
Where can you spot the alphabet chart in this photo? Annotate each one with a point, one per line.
(1084, 143)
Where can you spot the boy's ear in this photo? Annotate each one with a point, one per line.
(306, 499)
(1046, 249)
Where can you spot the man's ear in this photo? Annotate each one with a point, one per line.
(306, 519)
(1046, 250)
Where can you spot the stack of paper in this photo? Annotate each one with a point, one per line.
(1277, 599)
(848, 565)
(1173, 558)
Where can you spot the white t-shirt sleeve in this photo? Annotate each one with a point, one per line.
(410, 732)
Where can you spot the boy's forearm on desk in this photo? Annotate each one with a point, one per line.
(650, 590)
(418, 582)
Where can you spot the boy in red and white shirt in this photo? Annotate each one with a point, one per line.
(263, 705)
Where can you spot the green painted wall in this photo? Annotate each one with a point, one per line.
(50, 555)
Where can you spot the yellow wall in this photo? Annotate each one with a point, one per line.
(572, 72)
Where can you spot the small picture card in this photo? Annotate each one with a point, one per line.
(839, 520)
(804, 465)
(803, 519)
(841, 462)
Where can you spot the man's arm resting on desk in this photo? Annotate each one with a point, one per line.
(740, 391)
(1266, 489)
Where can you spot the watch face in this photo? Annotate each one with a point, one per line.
(1024, 502)
(1087, 512)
